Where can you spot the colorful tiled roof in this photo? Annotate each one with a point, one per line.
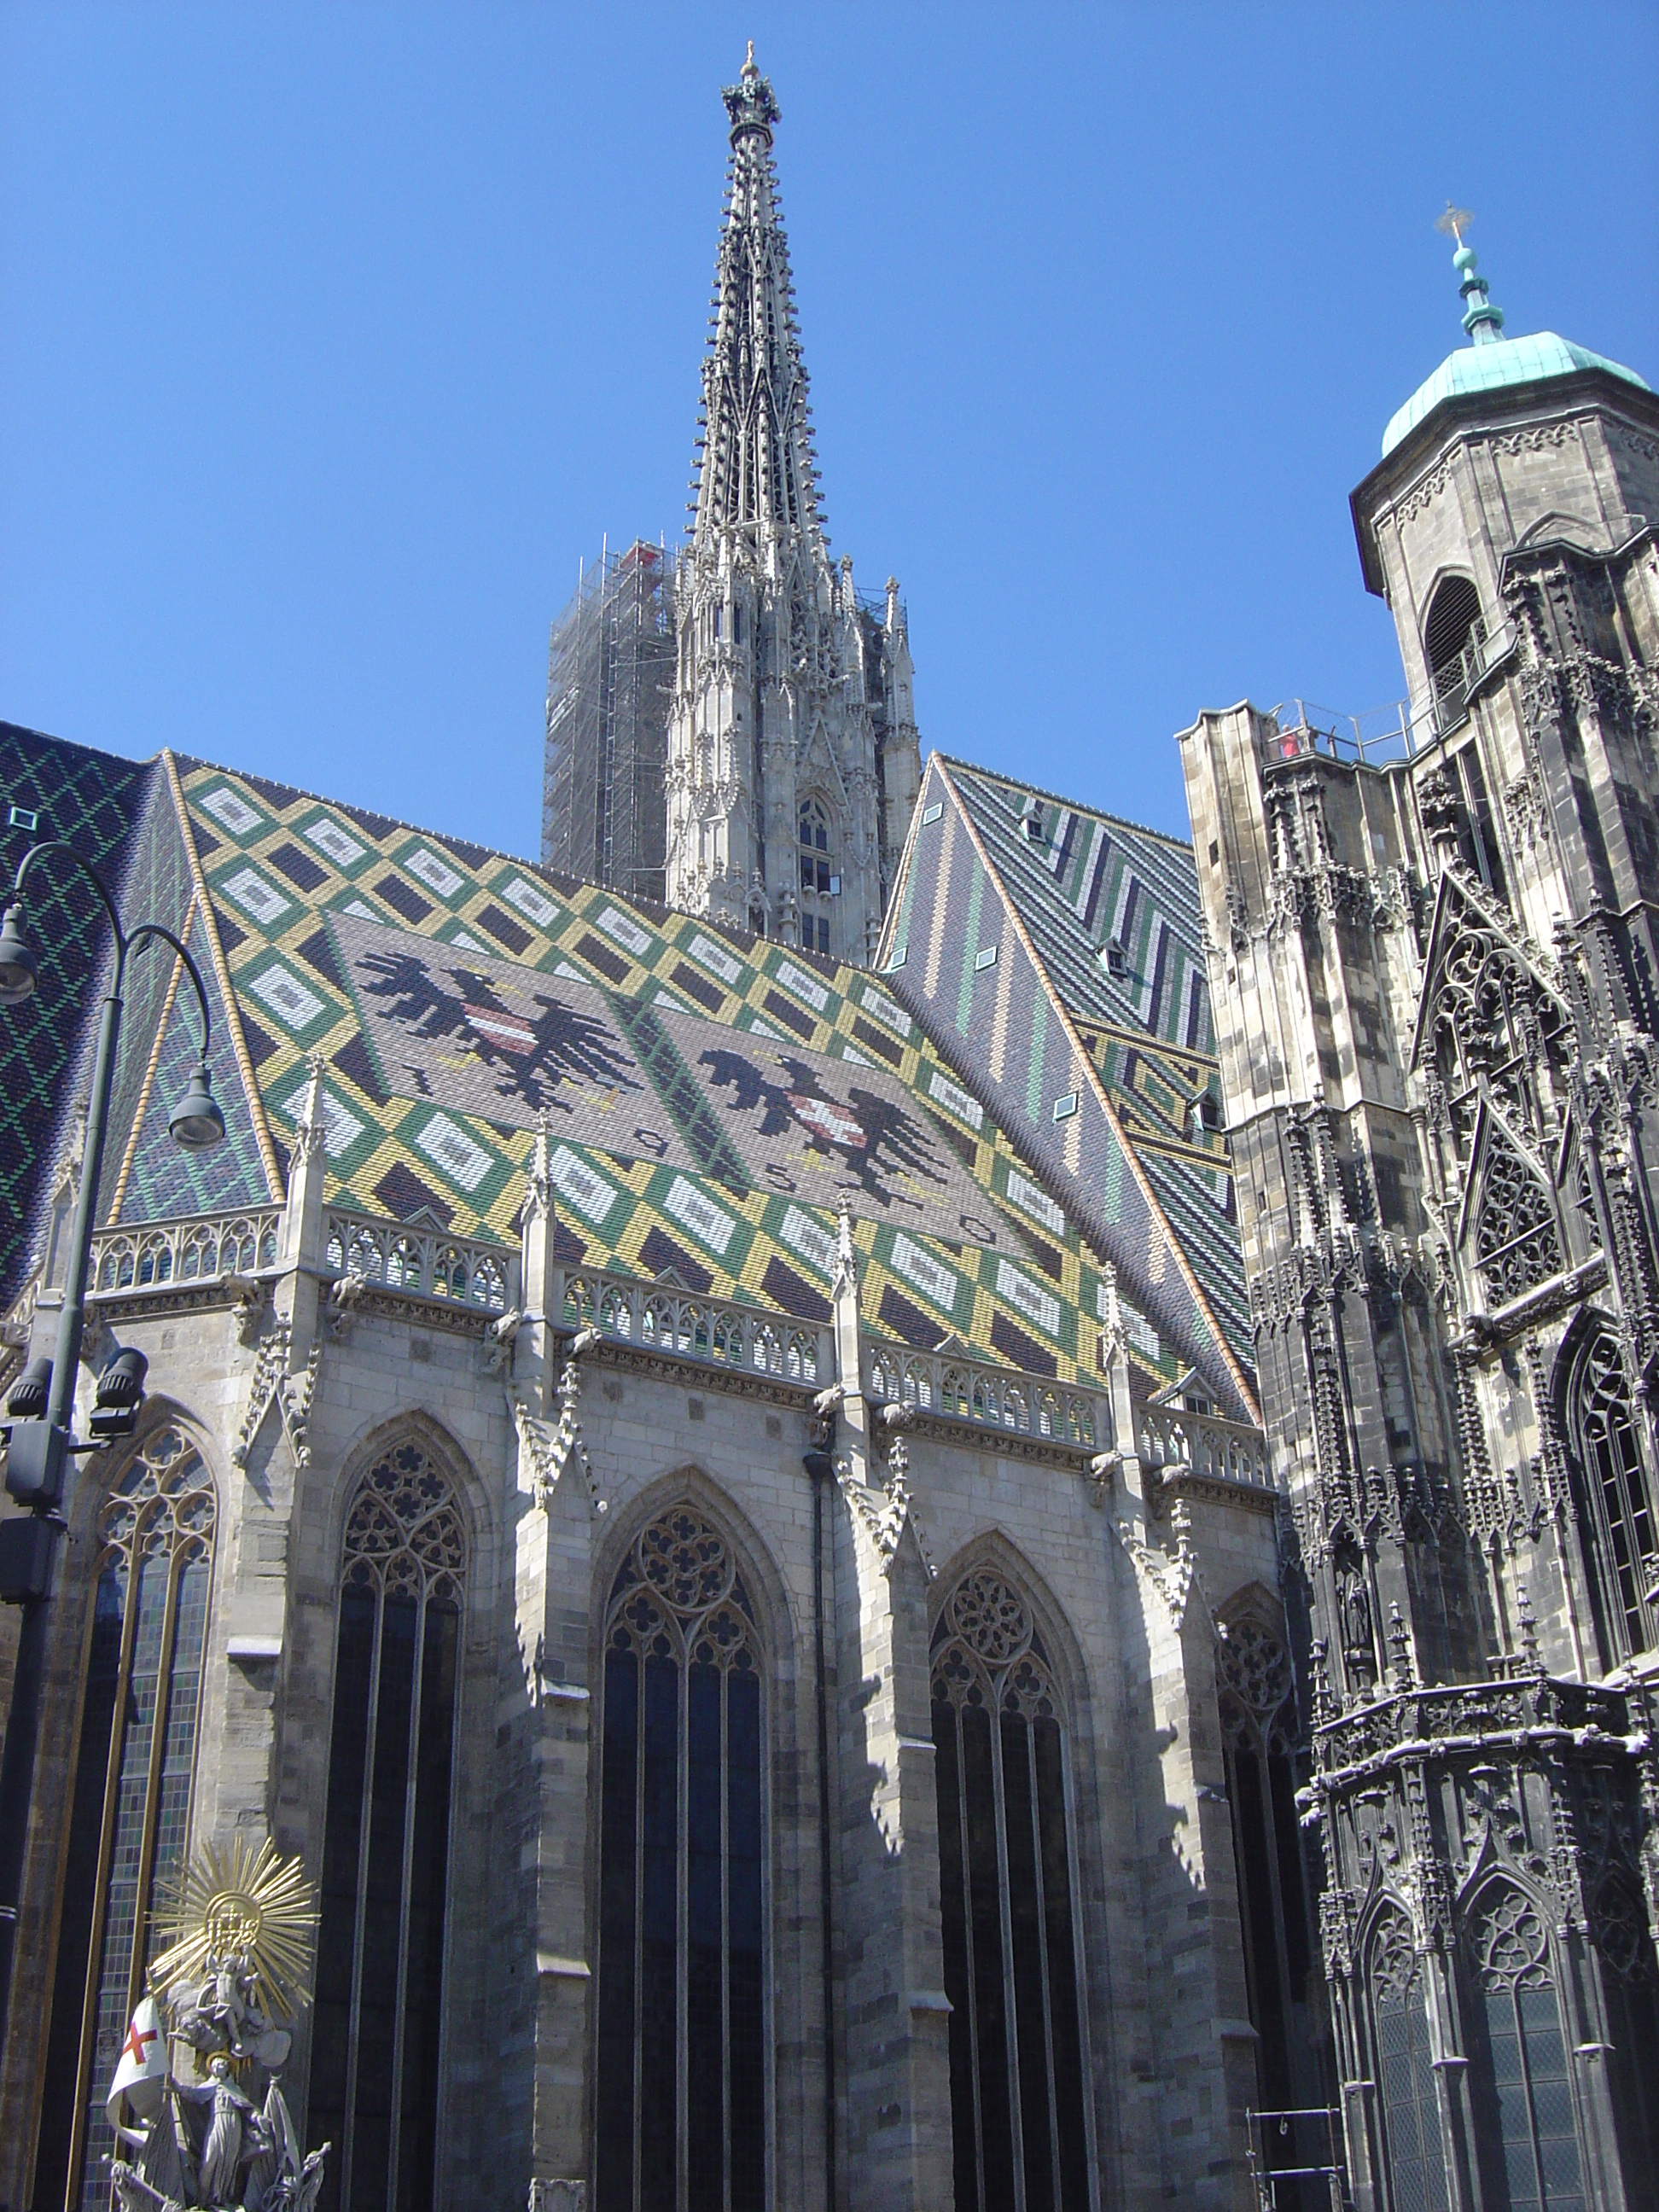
(708, 1094)
(1054, 956)
(93, 801)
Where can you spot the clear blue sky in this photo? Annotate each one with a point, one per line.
(335, 338)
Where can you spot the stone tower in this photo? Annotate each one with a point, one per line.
(1435, 970)
(792, 755)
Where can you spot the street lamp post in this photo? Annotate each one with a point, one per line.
(44, 1399)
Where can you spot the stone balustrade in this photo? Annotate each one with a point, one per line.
(192, 1251)
(426, 1263)
(963, 1389)
(1171, 1439)
(658, 1318)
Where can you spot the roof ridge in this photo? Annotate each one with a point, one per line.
(1077, 805)
(275, 1181)
(1243, 1384)
(559, 877)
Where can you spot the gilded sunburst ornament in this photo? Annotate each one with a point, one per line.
(242, 1903)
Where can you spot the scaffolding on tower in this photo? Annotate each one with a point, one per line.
(610, 689)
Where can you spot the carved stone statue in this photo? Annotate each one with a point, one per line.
(1357, 1647)
(207, 2137)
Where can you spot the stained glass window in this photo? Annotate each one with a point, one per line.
(1525, 2131)
(1416, 2160)
(681, 2061)
(130, 1805)
(379, 2017)
(1017, 2113)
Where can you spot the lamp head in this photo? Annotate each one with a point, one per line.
(122, 1382)
(27, 1401)
(197, 1122)
(120, 1394)
(17, 961)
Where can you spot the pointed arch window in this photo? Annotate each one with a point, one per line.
(820, 880)
(1453, 636)
(1526, 2136)
(682, 2026)
(1005, 1886)
(129, 1818)
(1416, 2152)
(1257, 1708)
(1516, 1241)
(1614, 1498)
(378, 2021)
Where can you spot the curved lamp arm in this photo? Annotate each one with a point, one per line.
(124, 943)
(147, 930)
(57, 845)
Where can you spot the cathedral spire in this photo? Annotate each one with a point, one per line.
(755, 463)
(793, 759)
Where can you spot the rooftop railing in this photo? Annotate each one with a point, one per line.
(427, 1263)
(664, 1318)
(1395, 733)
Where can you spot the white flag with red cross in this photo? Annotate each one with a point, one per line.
(143, 2067)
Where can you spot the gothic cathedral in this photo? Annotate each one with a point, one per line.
(907, 1497)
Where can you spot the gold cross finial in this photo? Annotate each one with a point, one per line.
(1454, 222)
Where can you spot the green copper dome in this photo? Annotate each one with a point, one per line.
(1490, 361)
(1489, 367)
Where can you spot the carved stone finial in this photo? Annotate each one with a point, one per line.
(311, 1138)
(749, 104)
(538, 1197)
(1113, 1338)
(846, 1256)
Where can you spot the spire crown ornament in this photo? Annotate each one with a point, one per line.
(1483, 322)
(750, 103)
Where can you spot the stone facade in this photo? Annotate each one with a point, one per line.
(1432, 968)
(561, 1445)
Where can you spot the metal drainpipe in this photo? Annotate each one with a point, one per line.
(819, 1466)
